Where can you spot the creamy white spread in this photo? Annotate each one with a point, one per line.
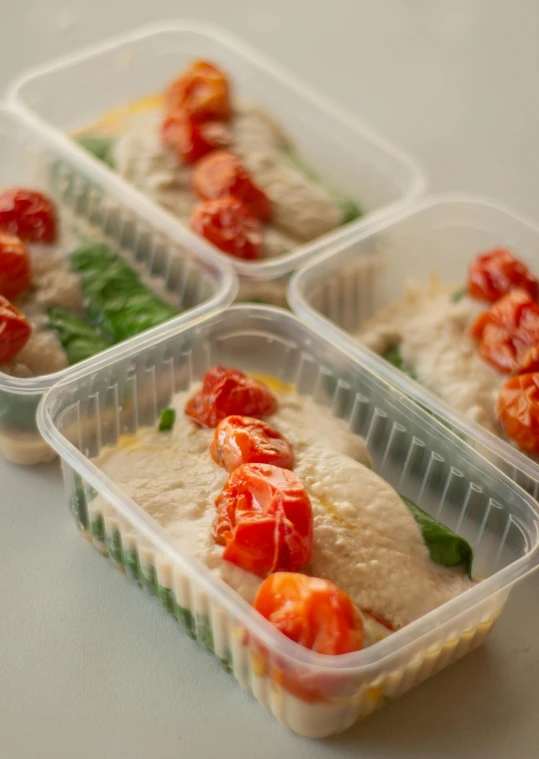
(53, 284)
(431, 332)
(302, 209)
(365, 539)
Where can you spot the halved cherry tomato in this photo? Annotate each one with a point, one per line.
(508, 333)
(192, 140)
(517, 409)
(244, 440)
(313, 612)
(201, 91)
(15, 272)
(28, 214)
(264, 520)
(229, 226)
(227, 392)
(15, 331)
(221, 174)
(493, 274)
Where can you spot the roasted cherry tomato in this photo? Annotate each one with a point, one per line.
(15, 272)
(192, 140)
(221, 174)
(313, 612)
(28, 214)
(201, 91)
(517, 409)
(15, 331)
(229, 226)
(508, 334)
(227, 392)
(264, 520)
(493, 274)
(244, 440)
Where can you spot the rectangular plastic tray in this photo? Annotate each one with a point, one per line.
(197, 282)
(314, 695)
(75, 91)
(345, 286)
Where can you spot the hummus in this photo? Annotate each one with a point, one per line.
(303, 209)
(365, 539)
(430, 330)
(53, 284)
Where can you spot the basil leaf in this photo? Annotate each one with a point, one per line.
(100, 147)
(446, 548)
(394, 357)
(117, 300)
(166, 422)
(78, 338)
(458, 295)
(350, 211)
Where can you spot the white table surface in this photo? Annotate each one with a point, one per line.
(89, 666)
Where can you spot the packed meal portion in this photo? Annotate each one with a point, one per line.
(477, 348)
(62, 301)
(278, 498)
(220, 164)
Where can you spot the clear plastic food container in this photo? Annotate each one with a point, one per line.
(195, 282)
(313, 694)
(72, 93)
(348, 284)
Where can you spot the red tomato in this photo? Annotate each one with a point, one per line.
(229, 226)
(15, 272)
(264, 520)
(221, 174)
(227, 392)
(517, 409)
(244, 440)
(28, 214)
(192, 140)
(508, 334)
(15, 331)
(493, 274)
(201, 91)
(314, 613)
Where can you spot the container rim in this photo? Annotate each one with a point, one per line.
(224, 295)
(268, 269)
(357, 661)
(420, 394)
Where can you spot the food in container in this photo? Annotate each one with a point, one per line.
(294, 492)
(336, 161)
(80, 271)
(148, 527)
(447, 296)
(222, 165)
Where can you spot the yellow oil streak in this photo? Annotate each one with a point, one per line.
(112, 121)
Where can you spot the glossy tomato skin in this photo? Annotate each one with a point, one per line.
(517, 409)
(230, 226)
(202, 91)
(312, 612)
(494, 274)
(15, 270)
(226, 392)
(245, 440)
(191, 139)
(221, 174)
(508, 334)
(28, 214)
(264, 520)
(15, 331)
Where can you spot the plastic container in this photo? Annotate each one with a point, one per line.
(314, 695)
(342, 288)
(197, 282)
(75, 91)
